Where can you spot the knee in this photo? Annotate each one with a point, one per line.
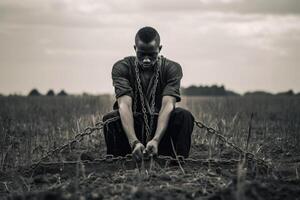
(183, 114)
(110, 115)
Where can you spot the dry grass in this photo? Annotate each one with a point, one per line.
(275, 123)
(32, 126)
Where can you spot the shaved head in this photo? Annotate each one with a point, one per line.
(147, 35)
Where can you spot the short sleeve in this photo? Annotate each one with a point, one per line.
(120, 78)
(173, 78)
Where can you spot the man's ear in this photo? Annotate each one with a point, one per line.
(160, 46)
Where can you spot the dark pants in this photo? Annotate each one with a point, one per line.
(179, 129)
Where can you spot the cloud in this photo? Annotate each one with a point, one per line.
(213, 40)
(94, 12)
(237, 6)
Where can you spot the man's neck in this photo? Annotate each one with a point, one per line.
(148, 68)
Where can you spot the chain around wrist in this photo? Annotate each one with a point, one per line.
(134, 143)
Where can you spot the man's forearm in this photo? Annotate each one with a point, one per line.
(163, 120)
(128, 122)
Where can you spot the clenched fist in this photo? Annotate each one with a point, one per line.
(137, 152)
(152, 147)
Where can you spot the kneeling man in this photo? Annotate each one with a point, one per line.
(145, 119)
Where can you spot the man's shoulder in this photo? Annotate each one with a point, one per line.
(170, 62)
(172, 66)
(128, 60)
(123, 64)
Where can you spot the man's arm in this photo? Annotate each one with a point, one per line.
(168, 104)
(125, 110)
(123, 90)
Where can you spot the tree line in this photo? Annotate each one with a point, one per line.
(215, 90)
(35, 92)
(193, 90)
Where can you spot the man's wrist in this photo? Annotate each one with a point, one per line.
(134, 143)
(156, 139)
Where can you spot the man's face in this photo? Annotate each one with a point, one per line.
(147, 54)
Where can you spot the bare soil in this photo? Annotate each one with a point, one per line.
(90, 178)
(30, 127)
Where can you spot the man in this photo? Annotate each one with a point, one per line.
(145, 120)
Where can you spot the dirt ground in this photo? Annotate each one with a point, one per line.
(92, 178)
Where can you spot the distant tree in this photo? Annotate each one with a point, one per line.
(213, 90)
(50, 93)
(62, 93)
(287, 93)
(232, 93)
(34, 92)
(258, 93)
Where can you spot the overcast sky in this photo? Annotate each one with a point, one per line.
(72, 44)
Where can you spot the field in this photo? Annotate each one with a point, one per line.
(268, 127)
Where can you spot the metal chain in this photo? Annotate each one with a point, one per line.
(128, 157)
(166, 160)
(143, 105)
(153, 92)
(78, 138)
(135, 98)
(99, 126)
(142, 99)
(248, 155)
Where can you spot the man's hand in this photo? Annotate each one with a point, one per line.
(152, 147)
(137, 152)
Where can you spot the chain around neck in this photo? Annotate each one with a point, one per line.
(143, 98)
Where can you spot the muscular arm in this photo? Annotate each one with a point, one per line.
(168, 104)
(171, 95)
(123, 90)
(125, 110)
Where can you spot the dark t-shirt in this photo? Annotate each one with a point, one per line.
(124, 81)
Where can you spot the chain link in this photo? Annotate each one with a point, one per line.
(153, 92)
(77, 138)
(148, 126)
(110, 158)
(164, 160)
(248, 155)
